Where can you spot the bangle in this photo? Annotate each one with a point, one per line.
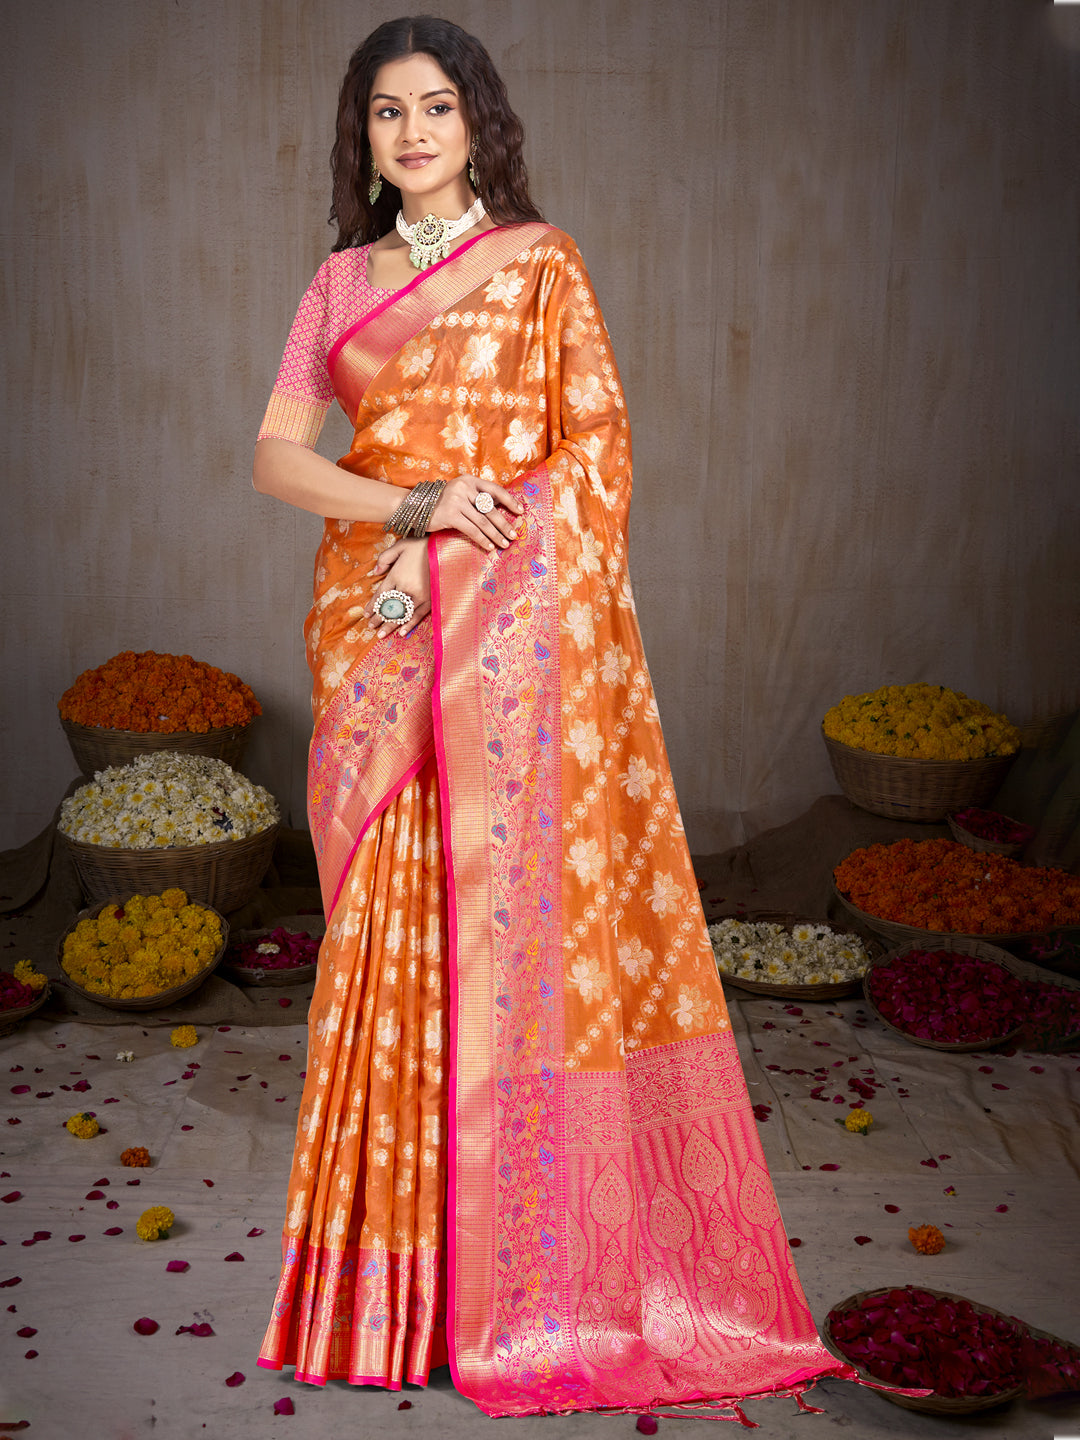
(410, 520)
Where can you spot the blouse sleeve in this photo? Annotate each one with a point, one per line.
(302, 393)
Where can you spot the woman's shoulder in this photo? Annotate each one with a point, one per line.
(548, 245)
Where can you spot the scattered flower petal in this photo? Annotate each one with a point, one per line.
(647, 1424)
(178, 1266)
(255, 1230)
(235, 1255)
(146, 1326)
(236, 1378)
(863, 1240)
(285, 1406)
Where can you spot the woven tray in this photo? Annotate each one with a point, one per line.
(959, 945)
(96, 747)
(922, 790)
(10, 1020)
(256, 976)
(788, 921)
(223, 875)
(1009, 848)
(932, 1404)
(896, 932)
(140, 1002)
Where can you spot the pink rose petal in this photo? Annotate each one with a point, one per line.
(235, 1255)
(177, 1267)
(236, 1378)
(285, 1406)
(647, 1424)
(200, 1329)
(95, 1195)
(146, 1326)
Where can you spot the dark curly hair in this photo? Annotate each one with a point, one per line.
(497, 131)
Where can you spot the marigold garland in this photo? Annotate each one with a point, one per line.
(135, 1156)
(147, 692)
(922, 722)
(943, 886)
(152, 943)
(155, 1223)
(83, 1126)
(184, 1036)
(927, 1239)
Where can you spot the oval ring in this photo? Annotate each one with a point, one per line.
(484, 502)
(395, 607)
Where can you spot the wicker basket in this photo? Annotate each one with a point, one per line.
(898, 933)
(958, 945)
(140, 1002)
(796, 992)
(96, 747)
(223, 875)
(253, 975)
(932, 1404)
(1008, 848)
(922, 790)
(10, 1020)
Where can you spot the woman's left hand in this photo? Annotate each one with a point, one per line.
(402, 566)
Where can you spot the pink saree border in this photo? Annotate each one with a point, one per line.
(354, 362)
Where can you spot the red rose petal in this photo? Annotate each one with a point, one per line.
(284, 1406)
(284, 1002)
(863, 1240)
(76, 1238)
(794, 1242)
(187, 1127)
(114, 1230)
(95, 1195)
(251, 1234)
(101, 1182)
(30, 1355)
(236, 1378)
(6, 1284)
(26, 1333)
(1001, 1209)
(209, 1182)
(893, 1209)
(200, 1329)
(177, 1267)
(146, 1326)
(235, 1255)
(647, 1424)
(828, 1167)
(12, 1195)
(112, 1204)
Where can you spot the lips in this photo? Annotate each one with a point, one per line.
(414, 162)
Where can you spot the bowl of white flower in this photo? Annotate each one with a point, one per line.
(166, 820)
(772, 953)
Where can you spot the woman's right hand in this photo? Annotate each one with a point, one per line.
(456, 511)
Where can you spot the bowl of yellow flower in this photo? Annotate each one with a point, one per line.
(918, 752)
(138, 952)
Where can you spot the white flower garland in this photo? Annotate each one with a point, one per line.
(808, 954)
(163, 799)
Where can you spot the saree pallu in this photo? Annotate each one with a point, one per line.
(517, 988)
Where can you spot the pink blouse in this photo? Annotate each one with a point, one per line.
(338, 297)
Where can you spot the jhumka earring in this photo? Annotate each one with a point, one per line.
(375, 186)
(472, 165)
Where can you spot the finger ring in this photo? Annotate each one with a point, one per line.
(395, 607)
(484, 503)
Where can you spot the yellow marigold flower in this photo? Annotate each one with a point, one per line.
(82, 1126)
(927, 1239)
(153, 904)
(858, 1121)
(155, 1223)
(27, 975)
(174, 898)
(184, 1036)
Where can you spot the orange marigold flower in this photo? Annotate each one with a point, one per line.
(146, 692)
(927, 1239)
(135, 1156)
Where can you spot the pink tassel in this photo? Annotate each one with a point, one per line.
(810, 1409)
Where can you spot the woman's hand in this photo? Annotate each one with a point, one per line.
(456, 511)
(402, 566)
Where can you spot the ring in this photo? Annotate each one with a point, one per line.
(484, 502)
(395, 607)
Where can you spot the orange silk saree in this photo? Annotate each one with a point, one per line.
(525, 1132)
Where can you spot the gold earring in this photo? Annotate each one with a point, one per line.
(375, 187)
(472, 166)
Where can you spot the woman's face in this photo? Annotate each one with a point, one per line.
(419, 136)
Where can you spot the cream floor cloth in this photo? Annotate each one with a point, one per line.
(218, 1120)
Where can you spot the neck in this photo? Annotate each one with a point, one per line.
(449, 206)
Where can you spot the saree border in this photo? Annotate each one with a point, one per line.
(392, 324)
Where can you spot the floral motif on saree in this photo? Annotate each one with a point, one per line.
(612, 1237)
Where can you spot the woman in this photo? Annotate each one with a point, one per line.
(524, 1132)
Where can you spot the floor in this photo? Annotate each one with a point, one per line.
(985, 1146)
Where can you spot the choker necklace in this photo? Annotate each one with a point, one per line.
(431, 237)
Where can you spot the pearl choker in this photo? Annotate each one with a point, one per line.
(430, 238)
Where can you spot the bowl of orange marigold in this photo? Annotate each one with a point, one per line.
(918, 752)
(137, 952)
(141, 701)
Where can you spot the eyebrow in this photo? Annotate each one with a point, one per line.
(428, 96)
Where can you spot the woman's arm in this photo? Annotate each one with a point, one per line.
(300, 477)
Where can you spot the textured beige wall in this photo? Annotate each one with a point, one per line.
(836, 243)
